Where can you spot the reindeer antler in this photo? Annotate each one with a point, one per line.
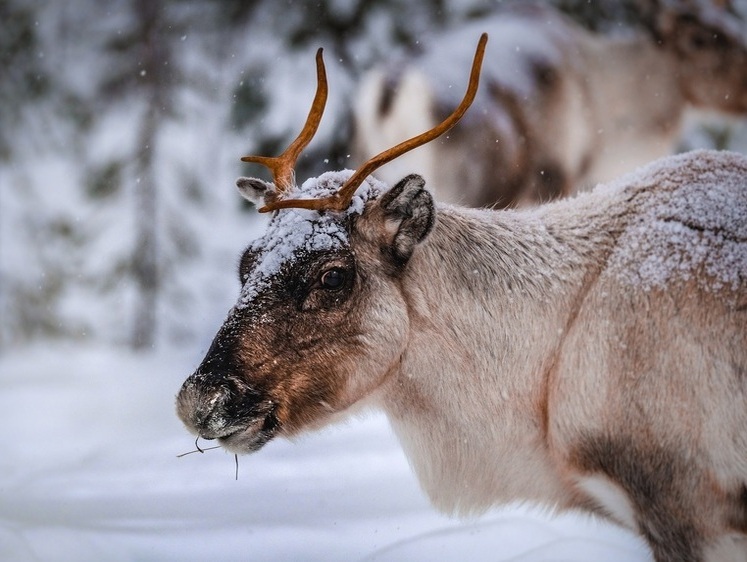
(341, 200)
(282, 166)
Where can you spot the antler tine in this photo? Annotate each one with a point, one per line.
(282, 166)
(340, 200)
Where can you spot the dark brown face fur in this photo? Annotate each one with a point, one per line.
(277, 363)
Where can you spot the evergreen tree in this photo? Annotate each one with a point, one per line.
(31, 232)
(145, 72)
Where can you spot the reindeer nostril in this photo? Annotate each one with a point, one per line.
(215, 406)
(202, 409)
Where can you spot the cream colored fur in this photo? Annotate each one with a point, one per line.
(525, 336)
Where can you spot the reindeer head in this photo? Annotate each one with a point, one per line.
(320, 321)
(710, 45)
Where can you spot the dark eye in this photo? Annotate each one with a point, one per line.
(332, 279)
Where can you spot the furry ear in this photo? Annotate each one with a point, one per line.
(410, 214)
(255, 190)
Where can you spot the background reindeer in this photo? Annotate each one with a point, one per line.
(588, 354)
(561, 108)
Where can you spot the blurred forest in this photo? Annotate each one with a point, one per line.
(121, 127)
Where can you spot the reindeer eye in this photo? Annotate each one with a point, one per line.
(333, 279)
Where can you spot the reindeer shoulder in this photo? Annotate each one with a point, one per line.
(683, 218)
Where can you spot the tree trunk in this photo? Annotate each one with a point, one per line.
(145, 257)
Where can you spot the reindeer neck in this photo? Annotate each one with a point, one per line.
(501, 264)
(490, 296)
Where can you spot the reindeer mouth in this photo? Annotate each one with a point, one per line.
(253, 436)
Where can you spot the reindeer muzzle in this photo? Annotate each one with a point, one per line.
(225, 408)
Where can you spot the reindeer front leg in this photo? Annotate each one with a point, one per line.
(656, 489)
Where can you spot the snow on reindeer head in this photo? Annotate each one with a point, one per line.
(317, 316)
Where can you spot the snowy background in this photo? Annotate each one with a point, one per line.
(121, 124)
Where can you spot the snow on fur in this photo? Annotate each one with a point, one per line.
(292, 232)
(696, 224)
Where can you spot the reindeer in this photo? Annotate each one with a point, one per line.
(587, 354)
(562, 109)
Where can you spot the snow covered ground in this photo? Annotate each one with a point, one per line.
(89, 471)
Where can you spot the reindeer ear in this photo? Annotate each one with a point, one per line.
(256, 191)
(410, 214)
